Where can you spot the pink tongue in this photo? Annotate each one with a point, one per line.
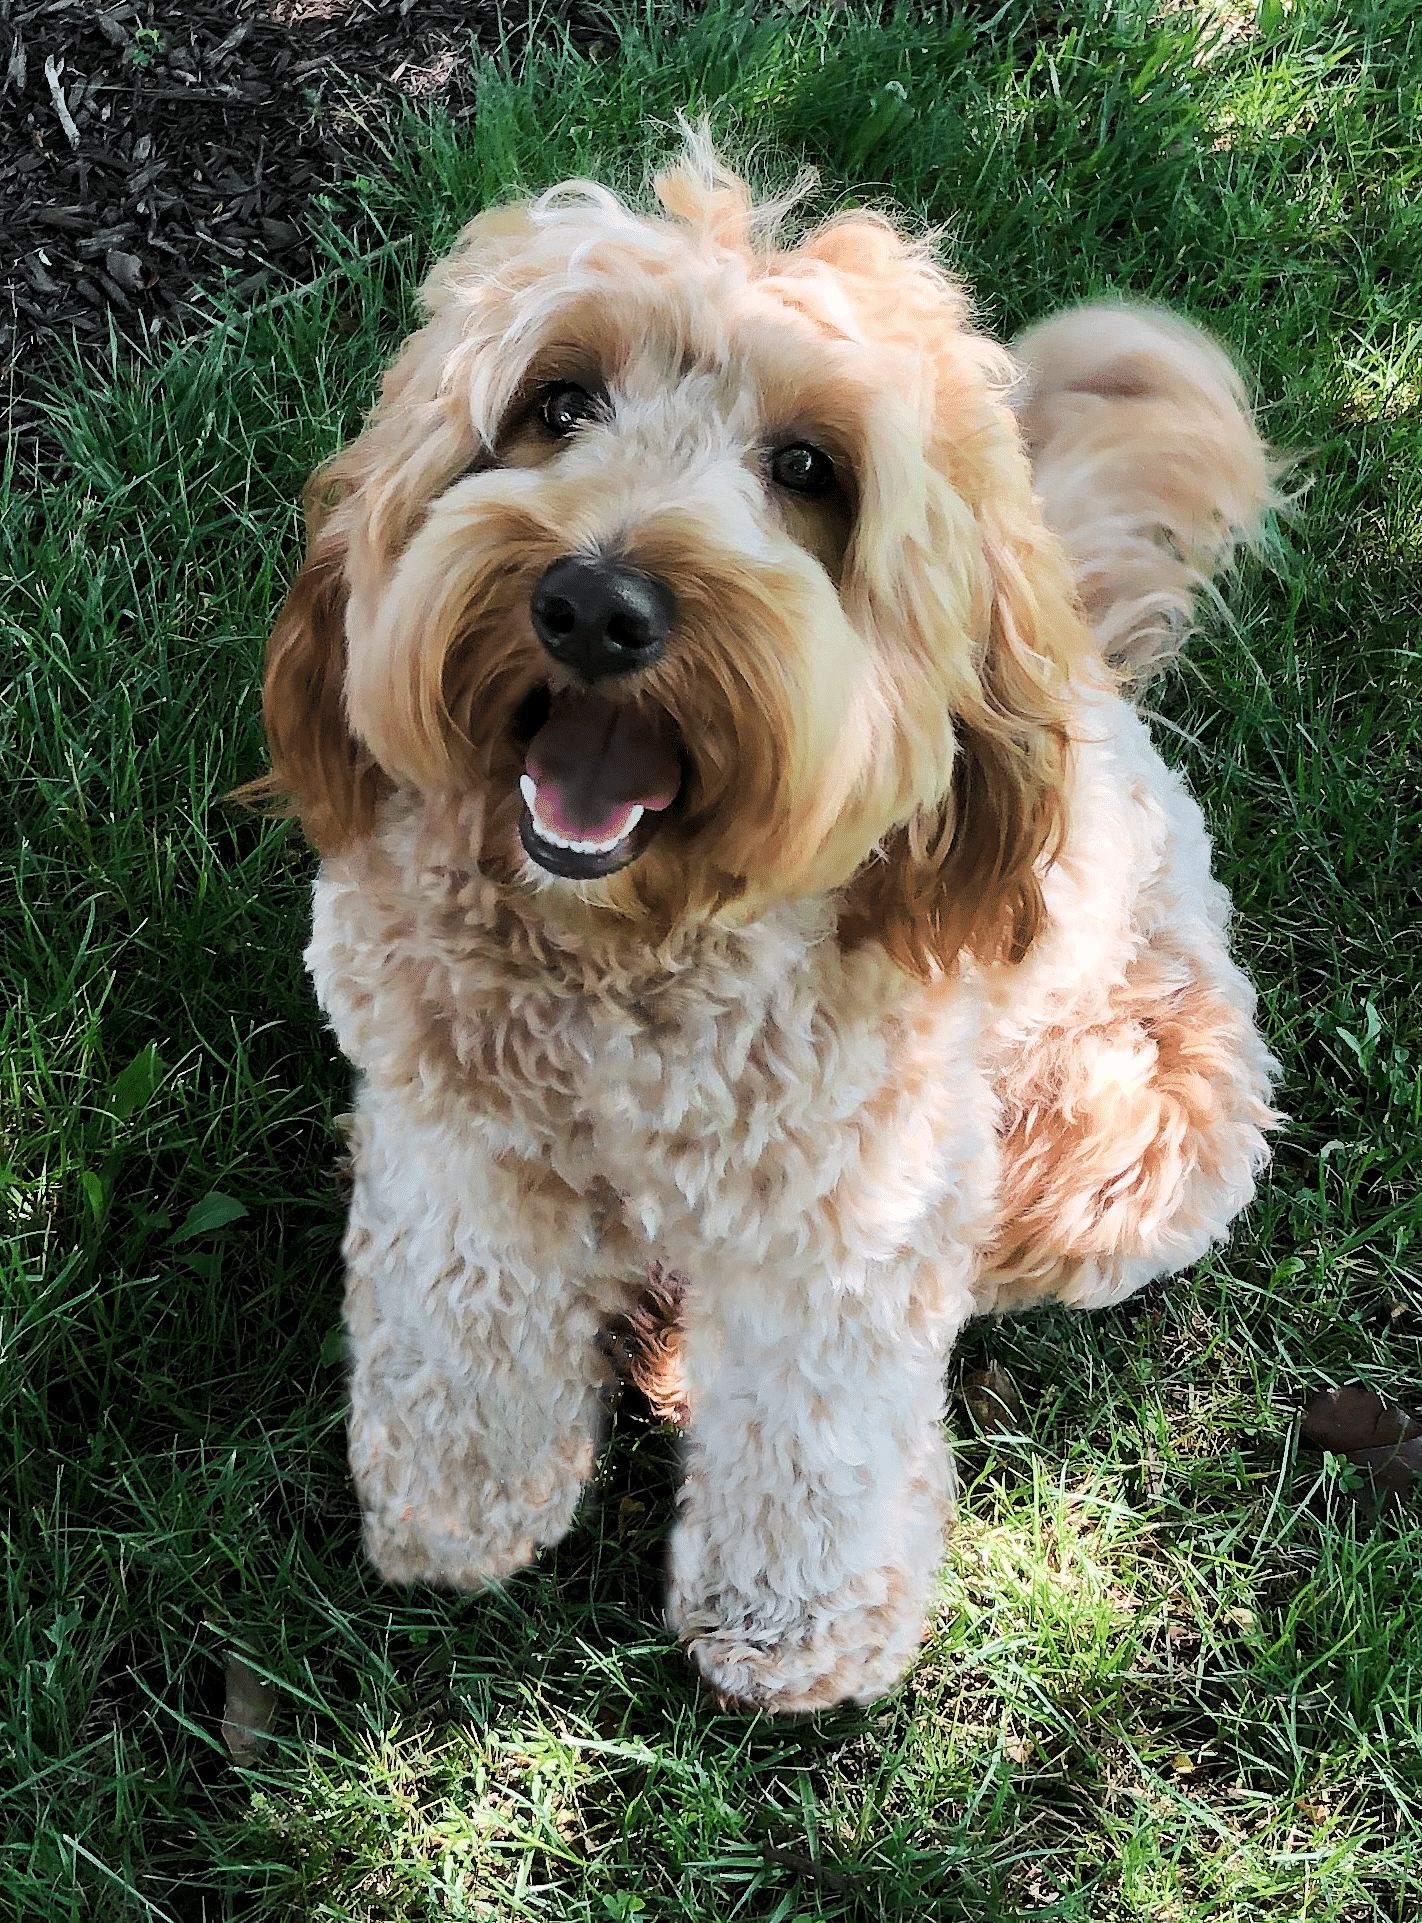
(594, 761)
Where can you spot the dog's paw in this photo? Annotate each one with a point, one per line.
(822, 1656)
(411, 1548)
(466, 1532)
(782, 1615)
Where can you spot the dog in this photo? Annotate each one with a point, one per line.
(707, 688)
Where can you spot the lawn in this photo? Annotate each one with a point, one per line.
(1172, 1675)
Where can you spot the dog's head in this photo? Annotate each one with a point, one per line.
(710, 564)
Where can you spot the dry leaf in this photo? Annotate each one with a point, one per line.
(1375, 1435)
(993, 1401)
(250, 1710)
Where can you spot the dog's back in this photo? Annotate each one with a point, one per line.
(1148, 465)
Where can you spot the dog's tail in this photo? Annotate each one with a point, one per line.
(1148, 465)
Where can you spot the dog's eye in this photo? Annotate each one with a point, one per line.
(564, 407)
(802, 469)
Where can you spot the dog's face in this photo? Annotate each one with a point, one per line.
(712, 568)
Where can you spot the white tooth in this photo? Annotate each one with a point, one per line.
(588, 847)
(528, 788)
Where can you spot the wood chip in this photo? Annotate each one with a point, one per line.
(114, 292)
(17, 71)
(100, 243)
(56, 94)
(104, 132)
(231, 42)
(145, 176)
(33, 269)
(280, 234)
(127, 270)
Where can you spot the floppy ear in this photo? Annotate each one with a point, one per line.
(483, 245)
(318, 769)
(962, 875)
(323, 774)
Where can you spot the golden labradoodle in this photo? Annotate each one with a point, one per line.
(703, 687)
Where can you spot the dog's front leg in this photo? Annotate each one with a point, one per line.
(473, 1316)
(818, 1482)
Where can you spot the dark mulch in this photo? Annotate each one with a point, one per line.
(150, 151)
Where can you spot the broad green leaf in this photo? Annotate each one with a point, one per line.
(94, 1193)
(214, 1211)
(134, 1087)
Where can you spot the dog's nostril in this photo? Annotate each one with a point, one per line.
(626, 632)
(559, 615)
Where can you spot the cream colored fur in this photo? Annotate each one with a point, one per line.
(1132, 419)
(918, 1005)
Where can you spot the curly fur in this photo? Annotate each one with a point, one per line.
(918, 1001)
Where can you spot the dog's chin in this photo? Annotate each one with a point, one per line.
(572, 863)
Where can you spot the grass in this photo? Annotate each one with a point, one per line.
(1173, 1673)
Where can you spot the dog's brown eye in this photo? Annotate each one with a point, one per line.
(802, 468)
(565, 407)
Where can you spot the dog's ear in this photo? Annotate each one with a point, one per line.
(371, 491)
(963, 874)
(319, 771)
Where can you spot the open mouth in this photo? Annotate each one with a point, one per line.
(598, 776)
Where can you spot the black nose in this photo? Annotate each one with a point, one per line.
(601, 617)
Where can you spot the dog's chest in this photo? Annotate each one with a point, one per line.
(728, 1047)
(728, 1056)
(745, 1087)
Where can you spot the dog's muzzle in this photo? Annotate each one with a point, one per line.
(599, 772)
